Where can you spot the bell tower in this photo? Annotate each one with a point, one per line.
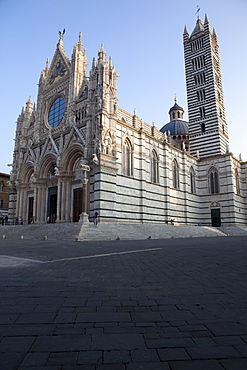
(207, 121)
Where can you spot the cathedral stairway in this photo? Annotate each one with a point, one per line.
(57, 231)
(106, 231)
(115, 231)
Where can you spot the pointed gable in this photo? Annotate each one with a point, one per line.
(60, 66)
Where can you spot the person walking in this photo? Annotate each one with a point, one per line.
(95, 218)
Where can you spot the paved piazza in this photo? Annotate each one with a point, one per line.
(177, 304)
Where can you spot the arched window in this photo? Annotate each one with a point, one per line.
(154, 167)
(192, 181)
(237, 182)
(175, 174)
(127, 158)
(213, 178)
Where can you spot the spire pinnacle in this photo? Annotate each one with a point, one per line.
(206, 20)
(80, 41)
(185, 31)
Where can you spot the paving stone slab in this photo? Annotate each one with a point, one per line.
(197, 365)
(35, 359)
(90, 357)
(113, 356)
(213, 352)
(117, 341)
(169, 354)
(148, 355)
(59, 343)
(16, 344)
(148, 366)
(234, 364)
(11, 362)
(170, 343)
(103, 317)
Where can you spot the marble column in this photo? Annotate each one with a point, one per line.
(84, 216)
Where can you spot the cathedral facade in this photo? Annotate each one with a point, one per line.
(77, 152)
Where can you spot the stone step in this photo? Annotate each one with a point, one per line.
(114, 231)
(63, 231)
(234, 230)
(105, 231)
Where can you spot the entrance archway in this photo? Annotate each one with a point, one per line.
(77, 204)
(52, 205)
(215, 214)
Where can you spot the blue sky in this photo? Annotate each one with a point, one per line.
(144, 37)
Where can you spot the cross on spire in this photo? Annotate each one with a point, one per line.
(197, 12)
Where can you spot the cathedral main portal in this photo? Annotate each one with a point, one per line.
(77, 204)
(52, 205)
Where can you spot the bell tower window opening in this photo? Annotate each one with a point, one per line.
(201, 96)
(199, 79)
(202, 112)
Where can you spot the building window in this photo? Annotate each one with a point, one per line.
(1, 204)
(127, 158)
(201, 96)
(154, 167)
(203, 128)
(202, 112)
(196, 45)
(175, 174)
(56, 112)
(213, 181)
(198, 62)
(2, 186)
(199, 79)
(192, 181)
(237, 182)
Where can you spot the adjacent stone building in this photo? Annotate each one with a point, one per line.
(77, 152)
(4, 196)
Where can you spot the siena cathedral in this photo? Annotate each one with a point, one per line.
(77, 152)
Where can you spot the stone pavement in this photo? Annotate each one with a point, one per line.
(177, 304)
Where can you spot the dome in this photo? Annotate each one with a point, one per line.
(176, 127)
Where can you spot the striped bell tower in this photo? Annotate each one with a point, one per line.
(207, 122)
